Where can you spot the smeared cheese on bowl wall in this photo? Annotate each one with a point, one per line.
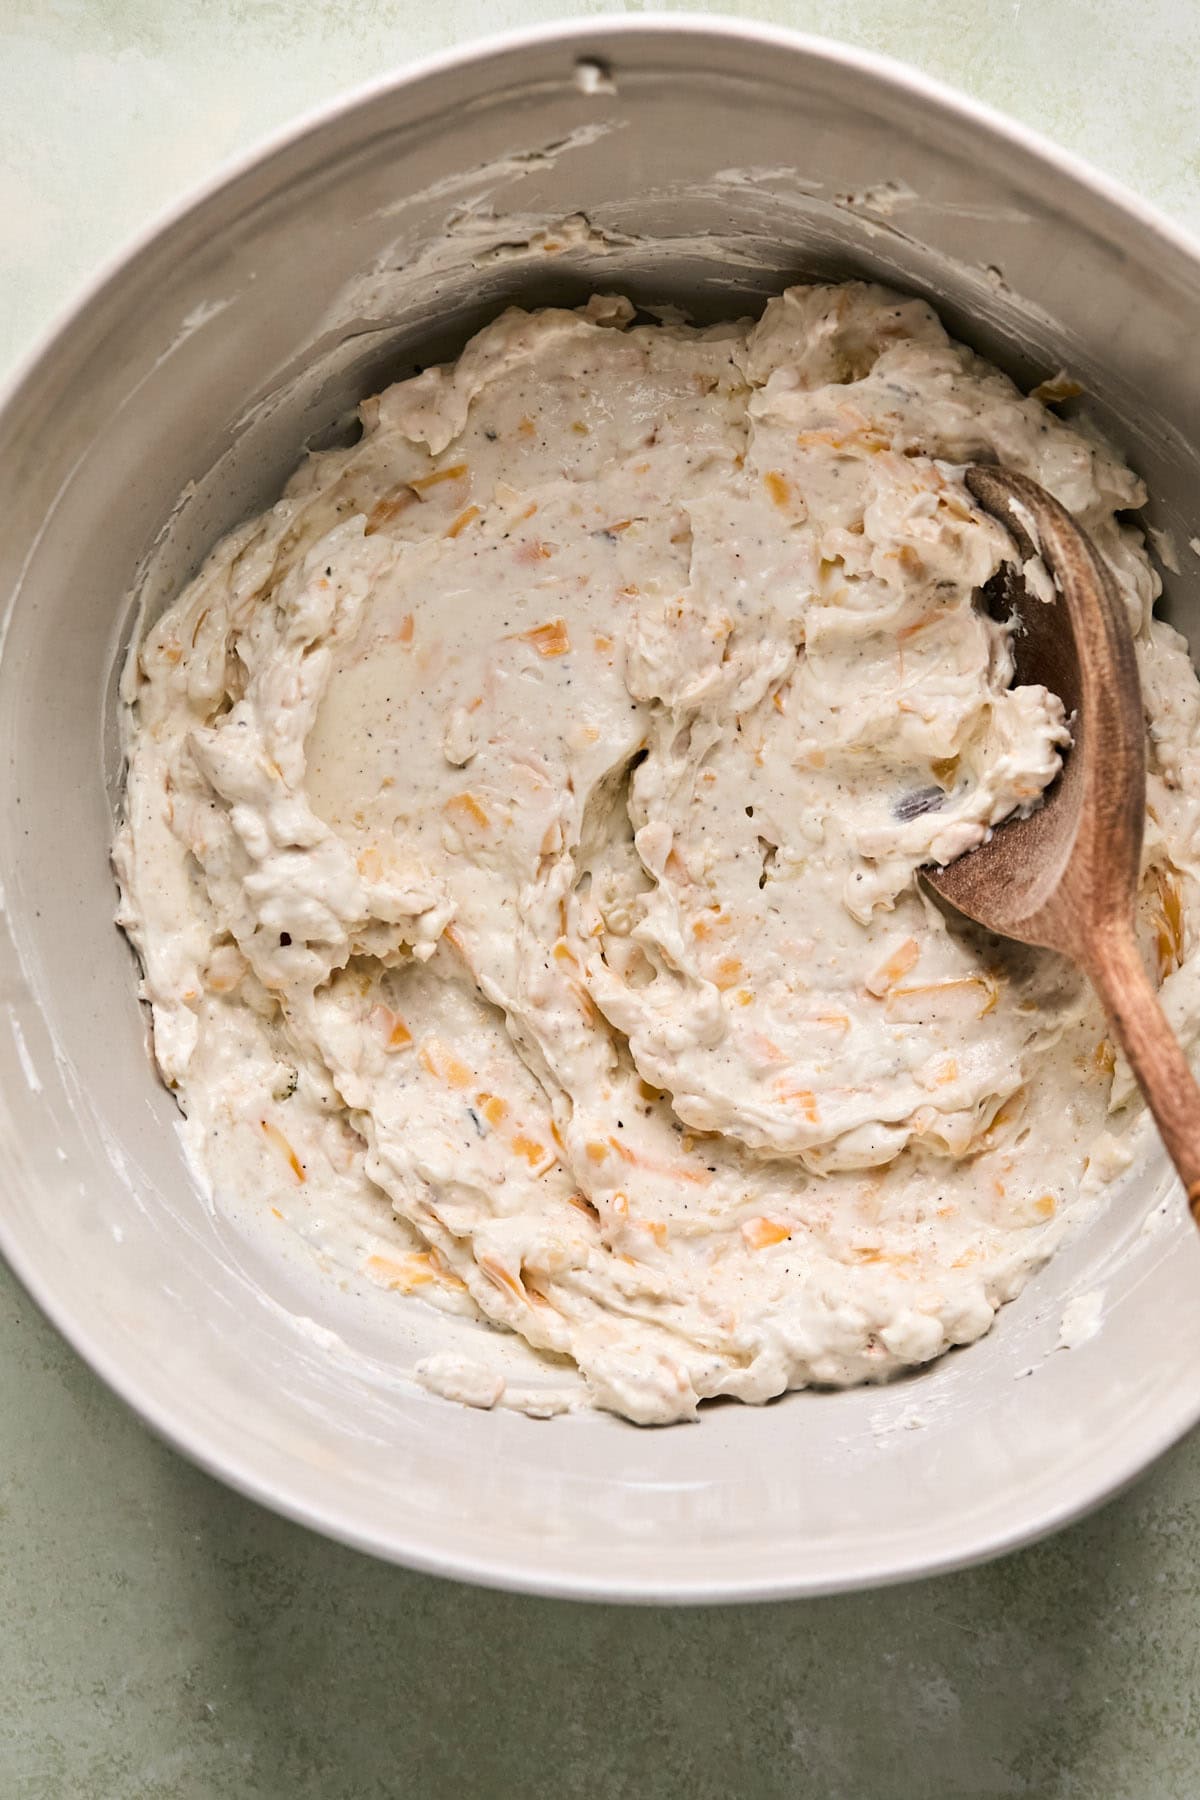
(521, 844)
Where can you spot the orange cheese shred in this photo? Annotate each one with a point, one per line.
(453, 472)
(274, 1136)
(550, 639)
(760, 1234)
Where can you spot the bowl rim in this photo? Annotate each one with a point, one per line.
(190, 1438)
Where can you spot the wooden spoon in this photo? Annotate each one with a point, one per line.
(1066, 877)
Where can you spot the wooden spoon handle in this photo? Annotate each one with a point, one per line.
(1118, 974)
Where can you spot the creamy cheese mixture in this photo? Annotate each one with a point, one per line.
(522, 839)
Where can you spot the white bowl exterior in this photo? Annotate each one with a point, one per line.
(735, 158)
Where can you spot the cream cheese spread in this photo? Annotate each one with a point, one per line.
(522, 834)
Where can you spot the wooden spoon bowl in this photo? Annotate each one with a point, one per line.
(1066, 877)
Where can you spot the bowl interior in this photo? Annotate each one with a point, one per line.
(713, 165)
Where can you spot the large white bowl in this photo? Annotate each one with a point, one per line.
(721, 160)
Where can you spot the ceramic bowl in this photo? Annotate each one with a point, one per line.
(715, 161)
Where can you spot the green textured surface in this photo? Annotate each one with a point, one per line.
(161, 1639)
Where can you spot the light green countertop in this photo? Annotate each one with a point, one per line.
(162, 1639)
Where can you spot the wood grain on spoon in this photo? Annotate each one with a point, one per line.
(1066, 877)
